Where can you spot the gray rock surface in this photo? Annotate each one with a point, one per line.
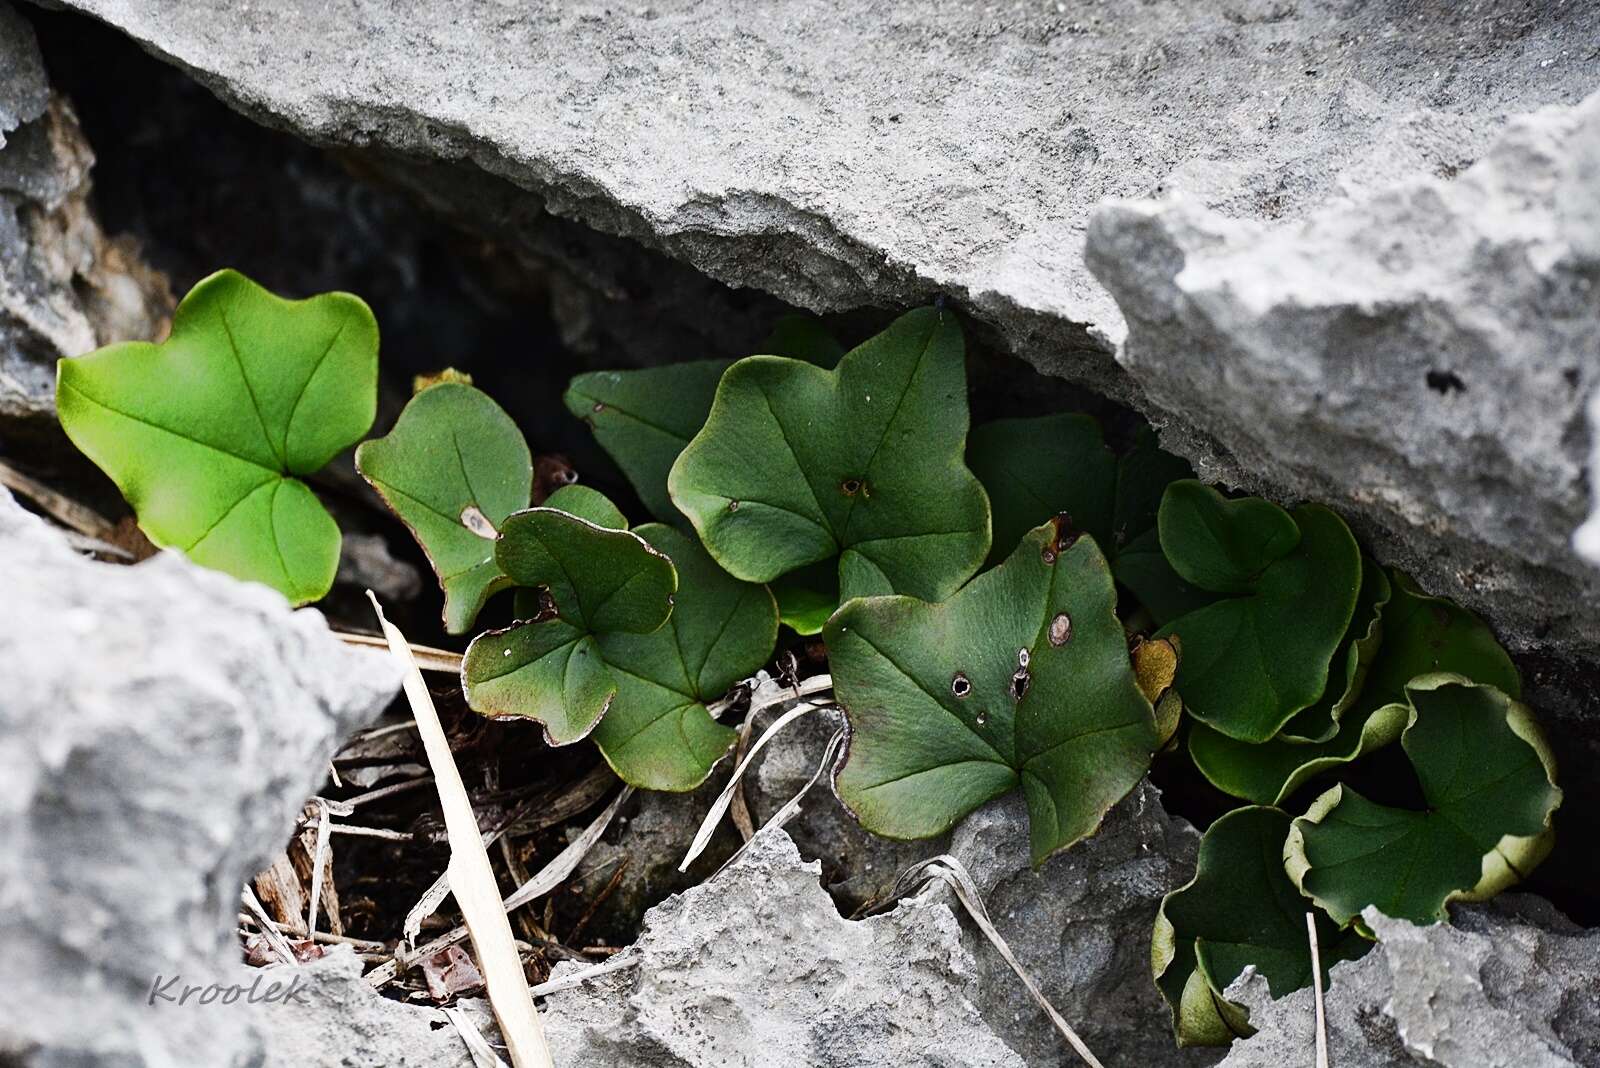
(1420, 361)
(767, 147)
(162, 726)
(64, 286)
(345, 1022)
(1080, 925)
(757, 968)
(1512, 984)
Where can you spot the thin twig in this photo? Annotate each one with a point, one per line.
(781, 695)
(387, 791)
(372, 832)
(471, 878)
(949, 870)
(598, 900)
(318, 859)
(269, 930)
(483, 1054)
(427, 657)
(1316, 982)
(791, 807)
(67, 511)
(578, 978)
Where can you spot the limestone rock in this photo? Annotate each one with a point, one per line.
(1080, 925)
(162, 727)
(877, 153)
(65, 288)
(1419, 361)
(757, 968)
(1511, 985)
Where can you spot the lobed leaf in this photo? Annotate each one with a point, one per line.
(1419, 635)
(797, 465)
(644, 418)
(1488, 783)
(1037, 469)
(1023, 676)
(1240, 909)
(1262, 653)
(658, 734)
(206, 432)
(453, 468)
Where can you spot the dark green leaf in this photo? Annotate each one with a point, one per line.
(599, 578)
(1419, 635)
(205, 433)
(1036, 469)
(1255, 658)
(644, 418)
(1488, 782)
(545, 669)
(453, 468)
(658, 734)
(797, 464)
(803, 337)
(1022, 676)
(1239, 909)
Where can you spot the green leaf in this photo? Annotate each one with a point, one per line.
(599, 578)
(1022, 676)
(1036, 469)
(1419, 635)
(205, 433)
(658, 734)
(797, 464)
(807, 596)
(803, 337)
(453, 468)
(1488, 783)
(592, 579)
(1255, 658)
(643, 419)
(1351, 662)
(1239, 909)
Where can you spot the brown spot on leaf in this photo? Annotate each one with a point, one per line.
(1060, 629)
(960, 685)
(475, 521)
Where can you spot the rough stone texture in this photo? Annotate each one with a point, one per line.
(1419, 361)
(1512, 984)
(346, 1023)
(161, 727)
(1081, 926)
(800, 165)
(64, 287)
(756, 968)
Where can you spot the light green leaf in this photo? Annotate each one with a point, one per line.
(453, 468)
(1022, 676)
(1488, 783)
(1419, 635)
(205, 433)
(807, 596)
(658, 734)
(1255, 658)
(644, 418)
(797, 464)
(581, 579)
(1239, 909)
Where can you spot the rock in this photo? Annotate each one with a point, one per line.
(65, 288)
(1080, 925)
(1510, 985)
(345, 1022)
(756, 967)
(24, 92)
(857, 867)
(161, 728)
(1419, 361)
(769, 150)
(367, 563)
